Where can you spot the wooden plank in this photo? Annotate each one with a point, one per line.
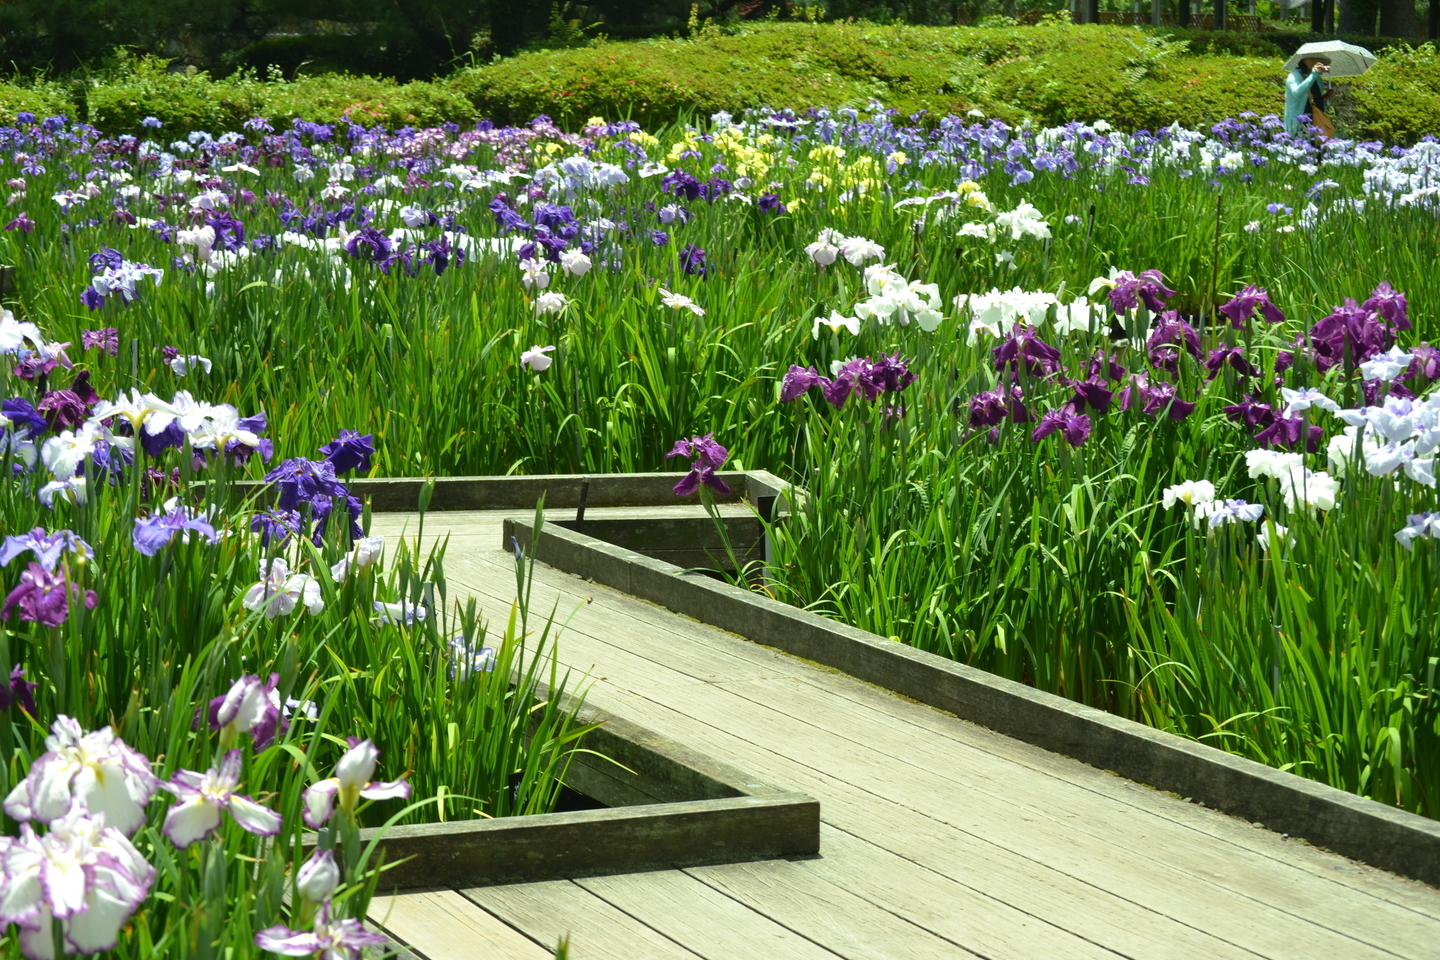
(443, 925)
(551, 909)
(702, 919)
(827, 914)
(974, 919)
(622, 839)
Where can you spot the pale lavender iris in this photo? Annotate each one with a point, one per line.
(47, 547)
(330, 938)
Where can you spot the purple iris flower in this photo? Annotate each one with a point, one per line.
(1156, 399)
(154, 533)
(350, 451)
(309, 485)
(797, 381)
(47, 547)
(19, 691)
(91, 298)
(1386, 301)
(889, 374)
(1018, 411)
(692, 260)
(369, 244)
(1350, 331)
(1233, 357)
(43, 597)
(1109, 365)
(22, 222)
(229, 232)
(1131, 289)
(107, 258)
(1093, 391)
(987, 409)
(106, 338)
(770, 203)
(659, 238)
(1427, 362)
(1247, 302)
(276, 526)
(681, 184)
(708, 457)
(1252, 413)
(65, 409)
(1285, 432)
(1169, 335)
(252, 705)
(1073, 426)
(22, 415)
(1023, 345)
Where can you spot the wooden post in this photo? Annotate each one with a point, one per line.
(1220, 6)
(1092, 11)
(1155, 12)
(1434, 33)
(1182, 9)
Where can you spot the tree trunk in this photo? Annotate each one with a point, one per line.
(1397, 18)
(1434, 20)
(1220, 6)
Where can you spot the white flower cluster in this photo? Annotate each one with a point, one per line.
(833, 245)
(1200, 497)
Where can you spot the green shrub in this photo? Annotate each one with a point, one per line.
(44, 99)
(366, 100)
(1399, 99)
(142, 87)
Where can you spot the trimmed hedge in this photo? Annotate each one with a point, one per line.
(1048, 74)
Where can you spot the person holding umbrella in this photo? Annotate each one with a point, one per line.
(1305, 93)
(1305, 96)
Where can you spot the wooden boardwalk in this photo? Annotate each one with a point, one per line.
(940, 839)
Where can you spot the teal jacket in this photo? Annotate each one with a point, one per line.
(1297, 97)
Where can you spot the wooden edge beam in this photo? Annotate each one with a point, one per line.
(584, 843)
(1354, 826)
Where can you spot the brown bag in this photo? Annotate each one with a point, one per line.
(1319, 121)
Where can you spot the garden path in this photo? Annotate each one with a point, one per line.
(939, 838)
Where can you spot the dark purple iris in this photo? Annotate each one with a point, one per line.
(22, 222)
(1093, 391)
(1171, 335)
(681, 184)
(889, 374)
(1350, 333)
(311, 486)
(1251, 412)
(350, 451)
(276, 526)
(1286, 431)
(1109, 365)
(987, 410)
(1072, 425)
(1247, 302)
(1232, 357)
(1390, 304)
(1131, 290)
(708, 457)
(229, 232)
(19, 691)
(1024, 346)
(798, 380)
(770, 203)
(23, 415)
(692, 260)
(369, 244)
(44, 597)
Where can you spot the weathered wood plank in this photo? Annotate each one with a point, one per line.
(988, 925)
(701, 918)
(827, 914)
(551, 909)
(443, 925)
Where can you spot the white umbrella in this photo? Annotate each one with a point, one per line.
(1345, 59)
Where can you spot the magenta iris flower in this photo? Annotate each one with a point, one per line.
(1390, 304)
(106, 338)
(798, 380)
(987, 410)
(708, 457)
(1233, 357)
(44, 597)
(1245, 304)
(1023, 346)
(1169, 337)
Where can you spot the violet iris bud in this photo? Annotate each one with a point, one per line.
(708, 456)
(350, 451)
